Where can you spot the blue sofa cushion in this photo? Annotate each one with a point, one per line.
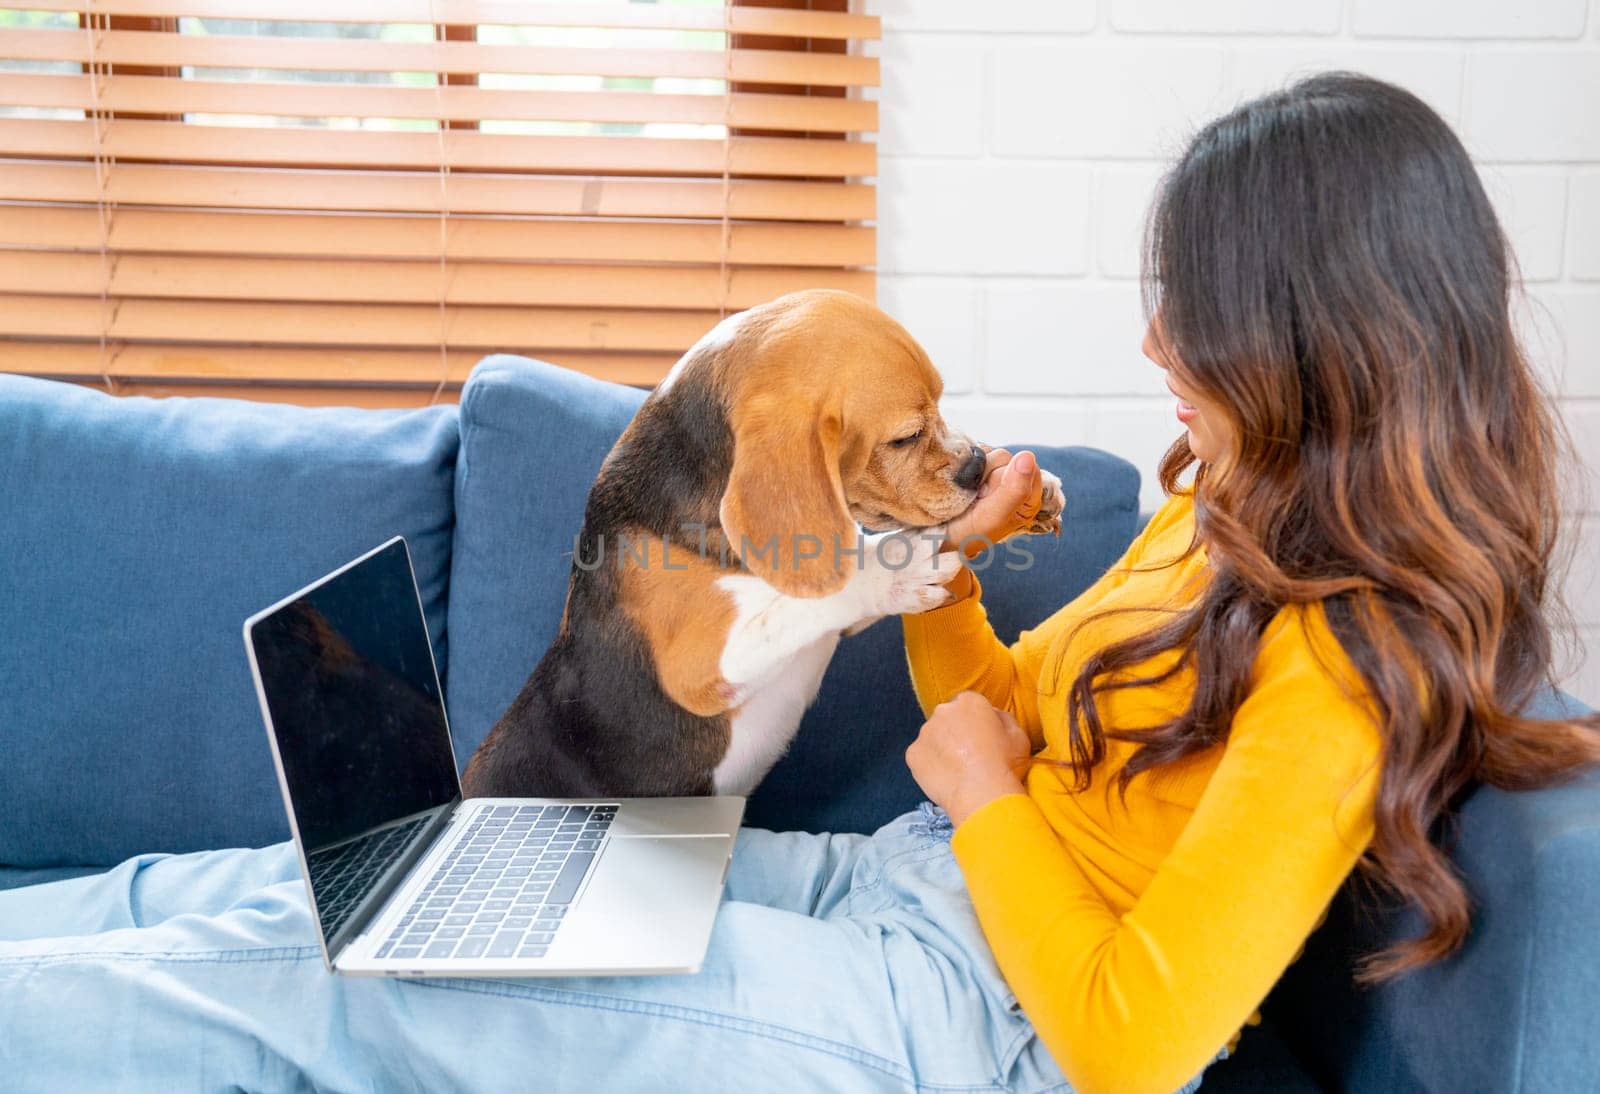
(15, 877)
(1499, 1014)
(532, 438)
(138, 535)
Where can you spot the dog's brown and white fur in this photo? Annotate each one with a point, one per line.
(682, 668)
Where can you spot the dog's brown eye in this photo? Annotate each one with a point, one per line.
(901, 442)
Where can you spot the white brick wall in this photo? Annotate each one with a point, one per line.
(1021, 141)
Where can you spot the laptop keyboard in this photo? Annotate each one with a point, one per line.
(342, 875)
(504, 888)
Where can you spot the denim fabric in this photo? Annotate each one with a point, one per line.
(533, 436)
(137, 535)
(931, 821)
(842, 963)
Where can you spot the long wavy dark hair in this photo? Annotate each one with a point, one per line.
(1326, 268)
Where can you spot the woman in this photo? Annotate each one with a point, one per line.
(1311, 649)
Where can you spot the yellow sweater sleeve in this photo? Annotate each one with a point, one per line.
(953, 648)
(1144, 1001)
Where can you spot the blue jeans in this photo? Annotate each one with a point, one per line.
(838, 963)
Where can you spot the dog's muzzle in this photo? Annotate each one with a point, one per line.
(971, 473)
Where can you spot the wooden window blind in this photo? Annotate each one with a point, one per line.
(289, 199)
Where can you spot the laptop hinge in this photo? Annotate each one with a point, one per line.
(392, 879)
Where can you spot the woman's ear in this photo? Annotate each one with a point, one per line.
(784, 509)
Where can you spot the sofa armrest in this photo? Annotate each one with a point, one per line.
(1516, 1008)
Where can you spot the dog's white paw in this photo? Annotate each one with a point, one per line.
(904, 572)
(1051, 502)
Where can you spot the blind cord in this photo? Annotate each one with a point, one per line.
(444, 210)
(93, 23)
(724, 272)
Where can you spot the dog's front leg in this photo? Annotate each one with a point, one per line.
(895, 572)
(735, 643)
(934, 534)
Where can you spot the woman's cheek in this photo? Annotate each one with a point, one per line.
(1206, 440)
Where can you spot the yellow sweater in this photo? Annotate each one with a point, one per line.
(1140, 937)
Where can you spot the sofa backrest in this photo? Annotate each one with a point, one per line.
(136, 535)
(533, 437)
(1513, 1009)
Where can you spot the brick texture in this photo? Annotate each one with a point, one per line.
(1021, 144)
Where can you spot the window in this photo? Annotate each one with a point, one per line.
(288, 199)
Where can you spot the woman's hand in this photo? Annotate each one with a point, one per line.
(1008, 501)
(968, 754)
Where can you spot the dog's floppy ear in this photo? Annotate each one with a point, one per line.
(784, 510)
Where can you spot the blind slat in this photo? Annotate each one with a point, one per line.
(213, 187)
(124, 360)
(467, 238)
(154, 48)
(161, 95)
(779, 22)
(398, 282)
(330, 236)
(180, 142)
(370, 396)
(516, 330)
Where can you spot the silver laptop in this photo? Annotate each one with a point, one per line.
(405, 877)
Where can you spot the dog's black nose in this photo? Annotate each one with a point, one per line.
(971, 473)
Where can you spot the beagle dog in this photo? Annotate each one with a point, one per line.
(720, 558)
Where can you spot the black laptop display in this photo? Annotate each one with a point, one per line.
(360, 726)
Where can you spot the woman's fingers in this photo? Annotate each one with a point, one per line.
(1011, 494)
(994, 460)
(1019, 736)
(1027, 485)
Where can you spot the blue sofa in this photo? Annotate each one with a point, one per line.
(136, 535)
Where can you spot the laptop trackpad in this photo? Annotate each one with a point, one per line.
(650, 903)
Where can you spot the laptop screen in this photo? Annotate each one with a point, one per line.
(348, 678)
